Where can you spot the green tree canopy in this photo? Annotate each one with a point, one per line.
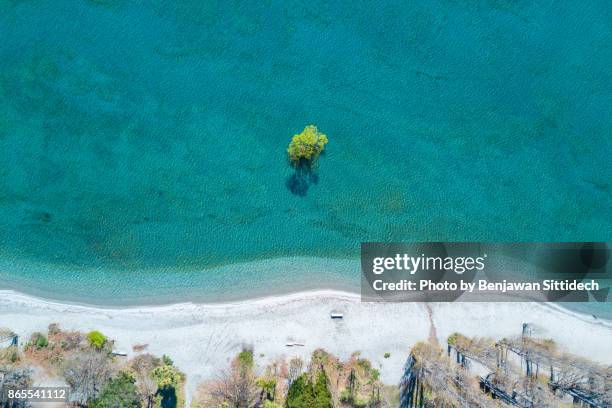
(96, 339)
(304, 394)
(323, 397)
(119, 392)
(166, 376)
(307, 145)
(300, 394)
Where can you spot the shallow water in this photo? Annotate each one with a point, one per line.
(230, 283)
(151, 136)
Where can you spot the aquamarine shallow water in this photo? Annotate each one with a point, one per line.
(144, 142)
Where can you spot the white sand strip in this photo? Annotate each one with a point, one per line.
(203, 338)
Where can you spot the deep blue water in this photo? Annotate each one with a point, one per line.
(139, 136)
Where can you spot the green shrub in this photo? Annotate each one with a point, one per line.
(39, 340)
(387, 355)
(167, 360)
(452, 339)
(245, 357)
(267, 385)
(96, 339)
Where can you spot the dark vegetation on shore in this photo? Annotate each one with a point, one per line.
(323, 382)
(97, 376)
(525, 371)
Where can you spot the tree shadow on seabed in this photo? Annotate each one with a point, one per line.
(304, 175)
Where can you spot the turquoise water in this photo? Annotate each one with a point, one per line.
(149, 137)
(227, 283)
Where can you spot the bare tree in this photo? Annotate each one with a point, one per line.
(296, 365)
(432, 379)
(86, 373)
(236, 388)
(146, 385)
(13, 378)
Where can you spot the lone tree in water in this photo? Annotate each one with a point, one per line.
(306, 147)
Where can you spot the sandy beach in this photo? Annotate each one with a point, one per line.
(202, 338)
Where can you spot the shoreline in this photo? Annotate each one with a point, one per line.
(259, 300)
(160, 287)
(268, 300)
(151, 288)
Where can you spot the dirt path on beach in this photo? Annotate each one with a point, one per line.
(433, 336)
